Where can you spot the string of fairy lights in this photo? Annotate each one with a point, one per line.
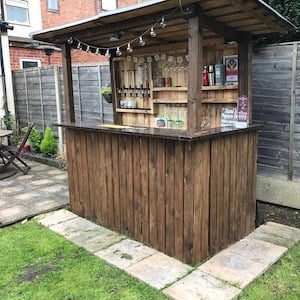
(128, 46)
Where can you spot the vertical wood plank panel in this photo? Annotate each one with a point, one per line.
(170, 180)
(188, 203)
(137, 188)
(179, 199)
(153, 197)
(116, 182)
(123, 175)
(144, 190)
(130, 185)
(161, 194)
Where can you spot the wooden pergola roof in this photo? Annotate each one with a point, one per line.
(229, 18)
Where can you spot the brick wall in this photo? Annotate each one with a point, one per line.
(69, 10)
(78, 57)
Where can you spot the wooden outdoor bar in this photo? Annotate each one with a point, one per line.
(170, 172)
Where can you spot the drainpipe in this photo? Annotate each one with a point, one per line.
(4, 26)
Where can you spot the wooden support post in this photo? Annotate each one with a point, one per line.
(117, 118)
(293, 111)
(245, 70)
(195, 47)
(68, 82)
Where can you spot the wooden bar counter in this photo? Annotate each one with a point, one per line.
(188, 195)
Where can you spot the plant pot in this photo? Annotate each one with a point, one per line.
(26, 148)
(107, 97)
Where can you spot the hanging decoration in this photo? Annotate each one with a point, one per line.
(80, 45)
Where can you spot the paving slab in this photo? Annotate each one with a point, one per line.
(199, 285)
(158, 270)
(233, 268)
(258, 250)
(55, 217)
(125, 253)
(86, 234)
(277, 234)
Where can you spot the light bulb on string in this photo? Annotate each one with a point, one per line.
(163, 23)
(88, 49)
(107, 53)
(118, 51)
(129, 48)
(79, 47)
(142, 42)
(97, 51)
(70, 40)
(152, 32)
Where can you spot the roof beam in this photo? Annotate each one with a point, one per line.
(219, 28)
(246, 8)
(126, 25)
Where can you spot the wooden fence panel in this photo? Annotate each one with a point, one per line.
(274, 87)
(35, 95)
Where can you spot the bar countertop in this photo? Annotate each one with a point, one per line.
(162, 133)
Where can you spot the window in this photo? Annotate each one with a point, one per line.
(17, 11)
(109, 4)
(29, 63)
(52, 5)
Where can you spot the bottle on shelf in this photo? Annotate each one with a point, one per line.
(205, 80)
(220, 74)
(211, 75)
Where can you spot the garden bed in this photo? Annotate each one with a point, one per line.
(54, 161)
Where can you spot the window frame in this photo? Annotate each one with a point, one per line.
(53, 9)
(18, 4)
(29, 59)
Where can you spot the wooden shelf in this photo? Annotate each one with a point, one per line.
(224, 87)
(135, 110)
(169, 101)
(218, 101)
(170, 89)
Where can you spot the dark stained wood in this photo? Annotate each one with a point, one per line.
(195, 52)
(153, 196)
(187, 199)
(130, 185)
(68, 83)
(170, 189)
(179, 200)
(188, 208)
(144, 189)
(161, 194)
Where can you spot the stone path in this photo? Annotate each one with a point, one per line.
(22, 196)
(221, 277)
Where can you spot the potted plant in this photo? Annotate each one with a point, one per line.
(35, 140)
(48, 144)
(107, 94)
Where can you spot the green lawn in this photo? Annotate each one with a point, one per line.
(36, 263)
(281, 281)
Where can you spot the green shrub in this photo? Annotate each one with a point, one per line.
(48, 145)
(35, 140)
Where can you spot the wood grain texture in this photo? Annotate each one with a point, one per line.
(187, 199)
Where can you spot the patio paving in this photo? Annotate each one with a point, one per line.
(223, 276)
(45, 189)
(23, 196)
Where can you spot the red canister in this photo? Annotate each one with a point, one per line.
(168, 82)
(205, 80)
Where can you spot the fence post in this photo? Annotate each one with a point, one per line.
(79, 93)
(292, 113)
(100, 93)
(41, 98)
(26, 97)
(58, 108)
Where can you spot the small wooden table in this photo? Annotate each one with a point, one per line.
(5, 172)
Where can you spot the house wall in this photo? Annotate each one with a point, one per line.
(35, 21)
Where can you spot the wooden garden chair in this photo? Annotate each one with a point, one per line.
(11, 154)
